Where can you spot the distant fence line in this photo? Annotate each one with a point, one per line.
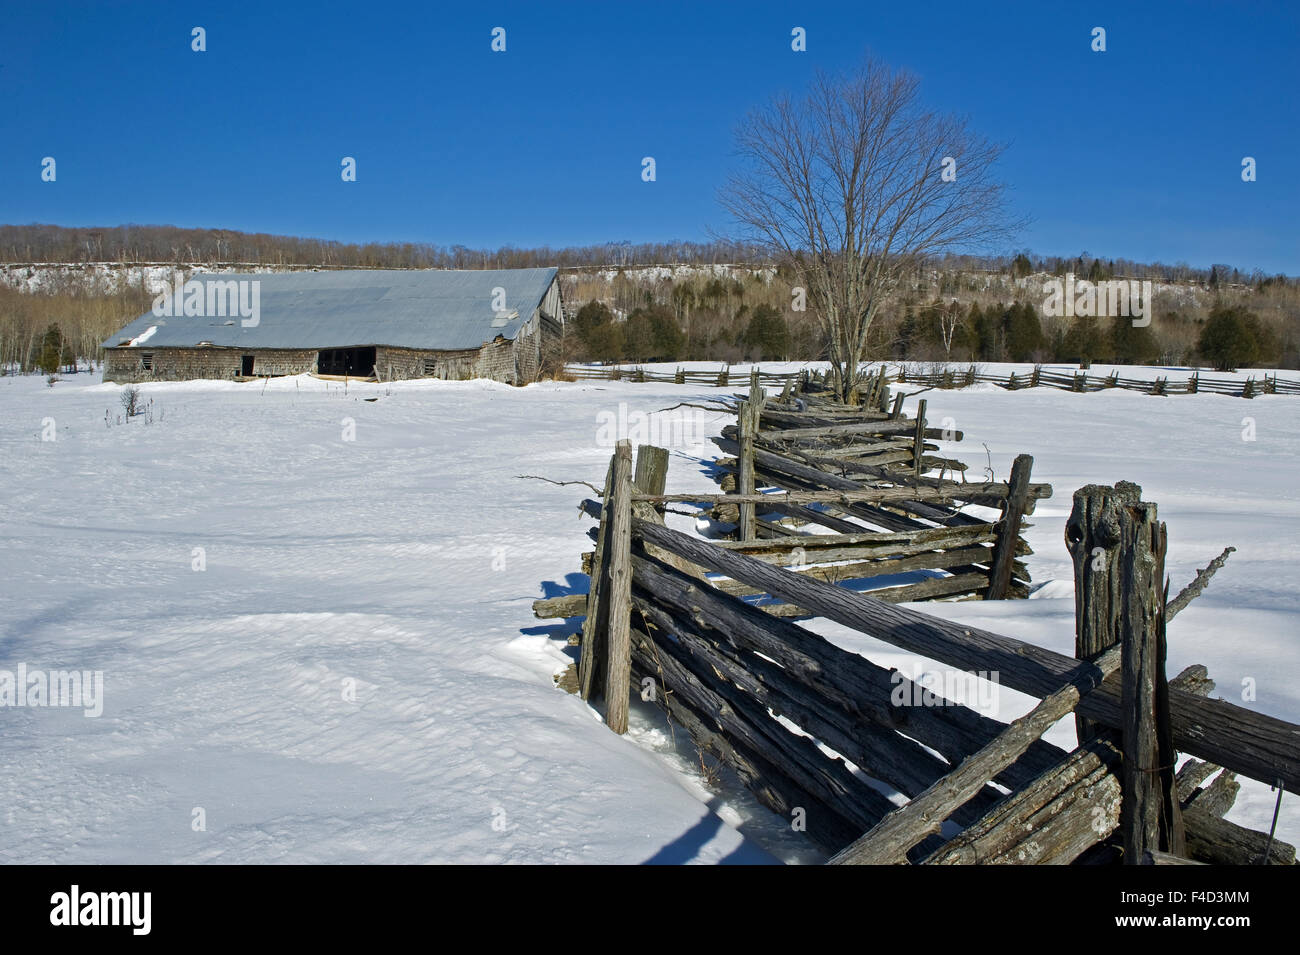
(1039, 377)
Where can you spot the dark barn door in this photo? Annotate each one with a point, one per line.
(346, 361)
(246, 366)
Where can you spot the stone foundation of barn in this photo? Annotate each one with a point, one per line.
(514, 362)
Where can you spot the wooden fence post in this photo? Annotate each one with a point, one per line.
(1013, 511)
(651, 475)
(748, 418)
(618, 563)
(1118, 549)
(1092, 536)
(918, 443)
(591, 657)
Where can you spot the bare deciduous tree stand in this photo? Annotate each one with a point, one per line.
(857, 184)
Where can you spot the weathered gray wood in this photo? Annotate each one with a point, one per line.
(855, 495)
(785, 472)
(1013, 510)
(884, 426)
(1149, 818)
(888, 543)
(903, 828)
(1193, 679)
(1194, 589)
(848, 680)
(651, 474)
(619, 580)
(1218, 797)
(1155, 857)
(1056, 818)
(918, 444)
(568, 605)
(1092, 537)
(1190, 777)
(1250, 743)
(1220, 842)
(797, 757)
(745, 479)
(887, 756)
(591, 659)
(768, 784)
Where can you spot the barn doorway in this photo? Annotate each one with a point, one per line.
(359, 362)
(246, 366)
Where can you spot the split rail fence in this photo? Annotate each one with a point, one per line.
(1039, 377)
(871, 475)
(816, 731)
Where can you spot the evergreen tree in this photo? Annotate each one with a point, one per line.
(1133, 345)
(52, 349)
(1085, 342)
(1024, 332)
(767, 335)
(1227, 339)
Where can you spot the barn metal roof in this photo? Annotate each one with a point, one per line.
(426, 309)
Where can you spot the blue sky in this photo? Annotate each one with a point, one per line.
(1135, 152)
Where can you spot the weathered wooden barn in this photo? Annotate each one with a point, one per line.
(391, 324)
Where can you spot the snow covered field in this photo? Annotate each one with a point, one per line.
(356, 674)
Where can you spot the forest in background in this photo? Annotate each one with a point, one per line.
(708, 301)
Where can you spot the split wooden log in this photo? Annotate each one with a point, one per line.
(848, 680)
(889, 842)
(796, 757)
(1055, 819)
(591, 660)
(1118, 548)
(918, 445)
(1152, 857)
(886, 756)
(651, 475)
(882, 426)
(619, 581)
(748, 418)
(771, 788)
(1013, 511)
(1250, 743)
(1220, 842)
(1218, 797)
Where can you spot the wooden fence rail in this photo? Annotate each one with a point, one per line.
(792, 714)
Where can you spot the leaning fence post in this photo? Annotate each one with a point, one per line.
(1008, 539)
(618, 560)
(591, 657)
(918, 443)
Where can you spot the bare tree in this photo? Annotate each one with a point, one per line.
(857, 184)
(949, 315)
